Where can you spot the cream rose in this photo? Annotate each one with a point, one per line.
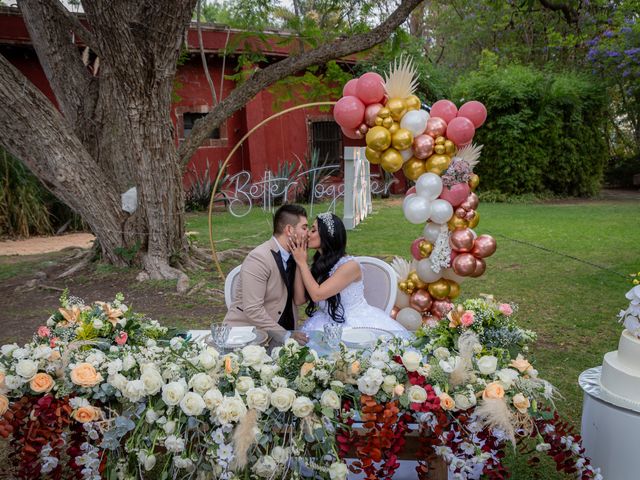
(173, 392)
(243, 384)
(253, 356)
(302, 407)
(463, 402)
(134, 390)
(4, 404)
(86, 414)
(338, 471)
(417, 394)
(330, 399)
(232, 409)
(209, 358)
(493, 390)
(26, 369)
(267, 372)
(212, 398)
(446, 402)
(411, 360)
(265, 467)
(487, 364)
(41, 383)
(192, 404)
(201, 382)
(520, 363)
(521, 402)
(85, 375)
(280, 455)
(507, 376)
(441, 353)
(259, 398)
(152, 381)
(389, 383)
(283, 398)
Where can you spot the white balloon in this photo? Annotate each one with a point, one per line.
(425, 271)
(449, 274)
(409, 318)
(402, 299)
(431, 231)
(429, 186)
(406, 154)
(441, 211)
(415, 121)
(417, 209)
(406, 199)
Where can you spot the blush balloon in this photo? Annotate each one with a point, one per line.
(415, 248)
(370, 88)
(349, 112)
(460, 130)
(474, 111)
(444, 109)
(461, 240)
(421, 300)
(349, 89)
(464, 264)
(455, 195)
(354, 134)
(484, 246)
(370, 113)
(436, 127)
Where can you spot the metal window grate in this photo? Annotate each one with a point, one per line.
(326, 138)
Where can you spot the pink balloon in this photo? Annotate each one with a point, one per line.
(484, 246)
(423, 146)
(461, 240)
(349, 89)
(415, 248)
(460, 130)
(370, 88)
(460, 211)
(349, 112)
(411, 191)
(436, 127)
(444, 109)
(370, 114)
(464, 264)
(481, 266)
(456, 195)
(354, 134)
(474, 111)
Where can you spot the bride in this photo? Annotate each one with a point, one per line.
(333, 285)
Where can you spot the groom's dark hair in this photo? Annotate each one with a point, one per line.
(287, 215)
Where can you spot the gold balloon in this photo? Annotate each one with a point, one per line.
(387, 122)
(454, 289)
(457, 223)
(397, 107)
(378, 138)
(402, 139)
(439, 149)
(395, 126)
(440, 141)
(415, 279)
(449, 147)
(413, 168)
(439, 289)
(413, 102)
(474, 181)
(384, 112)
(425, 247)
(410, 286)
(436, 163)
(403, 286)
(378, 121)
(391, 160)
(373, 156)
(473, 223)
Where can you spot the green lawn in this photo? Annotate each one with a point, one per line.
(548, 262)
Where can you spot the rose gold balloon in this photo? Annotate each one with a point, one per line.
(429, 320)
(473, 201)
(422, 146)
(469, 215)
(460, 212)
(484, 246)
(394, 312)
(363, 129)
(440, 308)
(420, 300)
(370, 114)
(481, 266)
(436, 127)
(464, 264)
(461, 240)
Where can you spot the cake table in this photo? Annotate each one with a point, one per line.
(610, 433)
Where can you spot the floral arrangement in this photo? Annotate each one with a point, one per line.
(102, 392)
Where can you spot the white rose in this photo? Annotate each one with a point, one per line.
(265, 467)
(266, 373)
(302, 407)
(134, 390)
(411, 360)
(369, 385)
(243, 384)
(379, 358)
(118, 381)
(507, 376)
(152, 381)
(259, 398)
(169, 427)
(208, 358)
(173, 392)
(27, 369)
(212, 398)
(450, 364)
(338, 471)
(7, 350)
(128, 362)
(487, 364)
(417, 394)
(174, 444)
(464, 402)
(280, 455)
(424, 370)
(114, 366)
(98, 324)
(292, 345)
(253, 356)
(441, 353)
(192, 404)
(283, 398)
(201, 382)
(330, 399)
(13, 381)
(175, 343)
(43, 351)
(232, 409)
(149, 462)
(389, 384)
(151, 416)
(278, 382)
(19, 353)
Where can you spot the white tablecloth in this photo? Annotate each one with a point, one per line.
(610, 434)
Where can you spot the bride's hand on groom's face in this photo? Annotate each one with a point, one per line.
(298, 247)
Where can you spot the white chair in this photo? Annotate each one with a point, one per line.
(380, 283)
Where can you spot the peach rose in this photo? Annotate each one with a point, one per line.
(41, 383)
(521, 402)
(355, 367)
(2, 377)
(85, 375)
(446, 402)
(398, 390)
(4, 404)
(86, 414)
(54, 356)
(228, 365)
(493, 390)
(306, 368)
(520, 363)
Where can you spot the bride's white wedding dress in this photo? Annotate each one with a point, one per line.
(357, 312)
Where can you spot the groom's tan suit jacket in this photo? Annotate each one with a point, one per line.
(261, 294)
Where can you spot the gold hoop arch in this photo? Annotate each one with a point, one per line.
(223, 167)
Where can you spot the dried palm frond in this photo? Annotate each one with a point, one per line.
(470, 154)
(401, 80)
(244, 437)
(495, 413)
(401, 267)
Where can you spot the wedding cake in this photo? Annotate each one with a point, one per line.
(620, 377)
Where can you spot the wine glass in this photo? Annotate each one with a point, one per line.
(220, 335)
(332, 334)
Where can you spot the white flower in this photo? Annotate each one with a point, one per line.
(389, 383)
(417, 394)
(169, 427)
(192, 404)
(201, 382)
(176, 343)
(259, 398)
(128, 362)
(42, 351)
(253, 356)
(278, 382)
(411, 360)
(114, 366)
(152, 381)
(266, 373)
(291, 345)
(118, 381)
(149, 462)
(487, 364)
(507, 376)
(19, 353)
(173, 392)
(243, 384)
(232, 409)
(302, 407)
(282, 398)
(330, 399)
(27, 369)
(265, 467)
(379, 358)
(13, 382)
(464, 402)
(208, 358)
(370, 382)
(441, 353)
(98, 324)
(7, 350)
(338, 471)
(151, 416)
(212, 398)
(184, 463)
(280, 455)
(174, 444)
(450, 364)
(543, 447)
(134, 390)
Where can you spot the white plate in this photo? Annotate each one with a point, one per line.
(358, 336)
(240, 338)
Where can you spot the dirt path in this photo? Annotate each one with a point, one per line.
(38, 245)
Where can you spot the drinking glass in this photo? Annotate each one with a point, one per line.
(333, 334)
(220, 334)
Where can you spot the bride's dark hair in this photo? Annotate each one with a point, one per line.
(333, 244)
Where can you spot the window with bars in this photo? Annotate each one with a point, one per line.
(189, 119)
(326, 139)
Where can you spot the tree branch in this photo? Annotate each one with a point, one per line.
(274, 72)
(74, 24)
(570, 14)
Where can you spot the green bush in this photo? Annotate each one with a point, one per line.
(544, 131)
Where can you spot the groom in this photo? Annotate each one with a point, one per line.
(264, 295)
